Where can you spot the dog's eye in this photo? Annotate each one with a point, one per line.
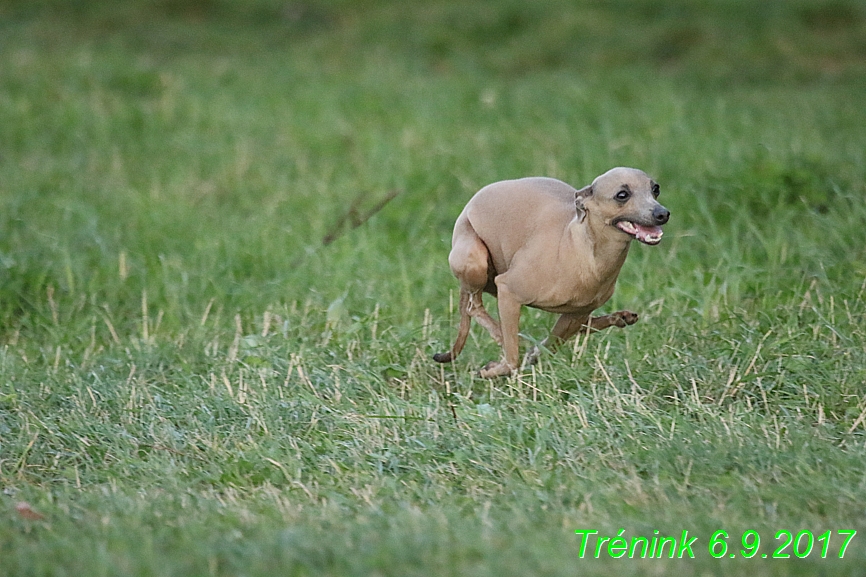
(622, 195)
(656, 190)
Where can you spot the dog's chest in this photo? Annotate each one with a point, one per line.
(569, 294)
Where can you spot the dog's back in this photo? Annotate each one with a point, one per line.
(506, 215)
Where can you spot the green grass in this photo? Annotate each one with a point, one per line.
(194, 381)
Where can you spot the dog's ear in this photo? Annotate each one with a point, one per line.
(579, 197)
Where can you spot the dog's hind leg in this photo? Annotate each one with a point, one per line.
(509, 318)
(462, 330)
(470, 262)
(480, 314)
(471, 306)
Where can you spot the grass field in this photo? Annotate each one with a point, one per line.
(224, 231)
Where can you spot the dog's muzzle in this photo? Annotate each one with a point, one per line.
(646, 233)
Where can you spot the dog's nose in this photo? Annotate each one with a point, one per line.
(661, 214)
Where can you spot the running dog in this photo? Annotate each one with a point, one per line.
(541, 243)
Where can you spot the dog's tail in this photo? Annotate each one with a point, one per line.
(462, 331)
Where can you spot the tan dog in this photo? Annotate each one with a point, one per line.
(539, 242)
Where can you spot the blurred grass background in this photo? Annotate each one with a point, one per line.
(192, 375)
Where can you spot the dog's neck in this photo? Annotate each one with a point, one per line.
(604, 245)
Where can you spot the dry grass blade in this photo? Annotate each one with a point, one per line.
(353, 218)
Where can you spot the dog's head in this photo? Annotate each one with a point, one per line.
(623, 200)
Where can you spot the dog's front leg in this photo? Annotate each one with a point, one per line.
(509, 321)
(569, 325)
(566, 326)
(619, 319)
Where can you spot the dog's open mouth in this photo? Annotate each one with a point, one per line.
(645, 234)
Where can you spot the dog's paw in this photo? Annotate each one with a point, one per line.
(625, 318)
(496, 369)
(531, 357)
